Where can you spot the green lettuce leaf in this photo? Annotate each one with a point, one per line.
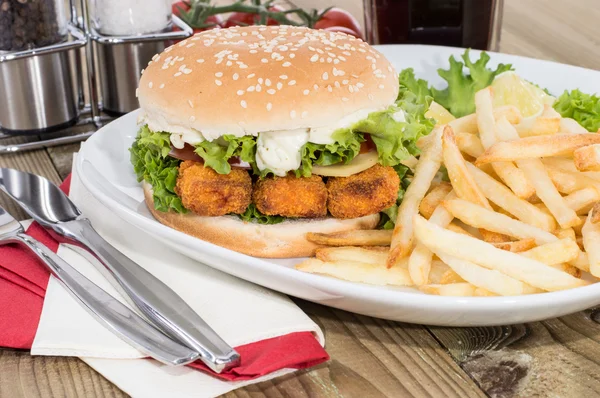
(418, 87)
(389, 215)
(459, 96)
(584, 108)
(252, 214)
(343, 150)
(217, 153)
(149, 156)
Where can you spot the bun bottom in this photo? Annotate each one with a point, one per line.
(283, 240)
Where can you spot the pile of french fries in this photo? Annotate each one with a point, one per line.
(520, 215)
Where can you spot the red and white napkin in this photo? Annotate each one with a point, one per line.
(271, 333)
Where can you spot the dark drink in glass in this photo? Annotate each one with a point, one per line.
(456, 23)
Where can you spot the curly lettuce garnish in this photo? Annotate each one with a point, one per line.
(152, 163)
(584, 108)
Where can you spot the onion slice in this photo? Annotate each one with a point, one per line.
(359, 163)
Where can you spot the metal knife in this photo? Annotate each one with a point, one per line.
(113, 315)
(52, 209)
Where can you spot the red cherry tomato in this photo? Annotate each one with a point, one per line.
(245, 18)
(336, 18)
(184, 5)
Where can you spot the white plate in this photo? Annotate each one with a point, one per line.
(116, 187)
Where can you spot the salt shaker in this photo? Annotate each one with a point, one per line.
(130, 17)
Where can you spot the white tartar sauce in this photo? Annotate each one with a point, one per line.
(279, 151)
(399, 116)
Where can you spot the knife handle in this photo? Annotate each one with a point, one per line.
(113, 315)
(159, 303)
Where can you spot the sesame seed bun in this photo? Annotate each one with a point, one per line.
(284, 240)
(246, 80)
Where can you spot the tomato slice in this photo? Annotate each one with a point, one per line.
(368, 145)
(187, 153)
(337, 18)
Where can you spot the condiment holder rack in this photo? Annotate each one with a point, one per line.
(51, 106)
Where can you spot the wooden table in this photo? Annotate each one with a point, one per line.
(377, 358)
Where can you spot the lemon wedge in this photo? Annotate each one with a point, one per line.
(510, 89)
(439, 113)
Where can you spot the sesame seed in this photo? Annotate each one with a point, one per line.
(150, 84)
(279, 85)
(190, 103)
(200, 60)
(269, 106)
(235, 76)
(325, 76)
(253, 51)
(178, 74)
(359, 85)
(329, 88)
(314, 58)
(190, 45)
(336, 61)
(244, 104)
(283, 77)
(251, 75)
(286, 64)
(381, 86)
(389, 68)
(240, 92)
(316, 86)
(258, 88)
(342, 58)
(137, 90)
(271, 91)
(304, 114)
(264, 60)
(267, 82)
(306, 92)
(373, 66)
(345, 99)
(142, 71)
(250, 89)
(228, 63)
(329, 59)
(291, 83)
(321, 60)
(293, 114)
(351, 88)
(243, 66)
(192, 118)
(292, 55)
(260, 80)
(162, 86)
(337, 84)
(218, 82)
(219, 74)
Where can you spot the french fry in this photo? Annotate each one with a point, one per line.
(410, 162)
(419, 261)
(536, 174)
(570, 126)
(351, 253)
(582, 198)
(452, 289)
(458, 229)
(595, 214)
(543, 125)
(507, 171)
(587, 158)
(507, 200)
(483, 293)
(516, 246)
(468, 123)
(560, 251)
(582, 262)
(429, 164)
(550, 112)
(591, 243)
(536, 147)
(469, 144)
(462, 181)
(532, 272)
(480, 217)
(354, 271)
(566, 233)
(433, 199)
(352, 238)
(569, 269)
(491, 280)
(451, 277)
(437, 272)
(567, 164)
(577, 228)
(566, 182)
(579, 241)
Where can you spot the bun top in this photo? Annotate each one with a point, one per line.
(246, 80)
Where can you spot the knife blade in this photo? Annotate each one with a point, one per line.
(52, 209)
